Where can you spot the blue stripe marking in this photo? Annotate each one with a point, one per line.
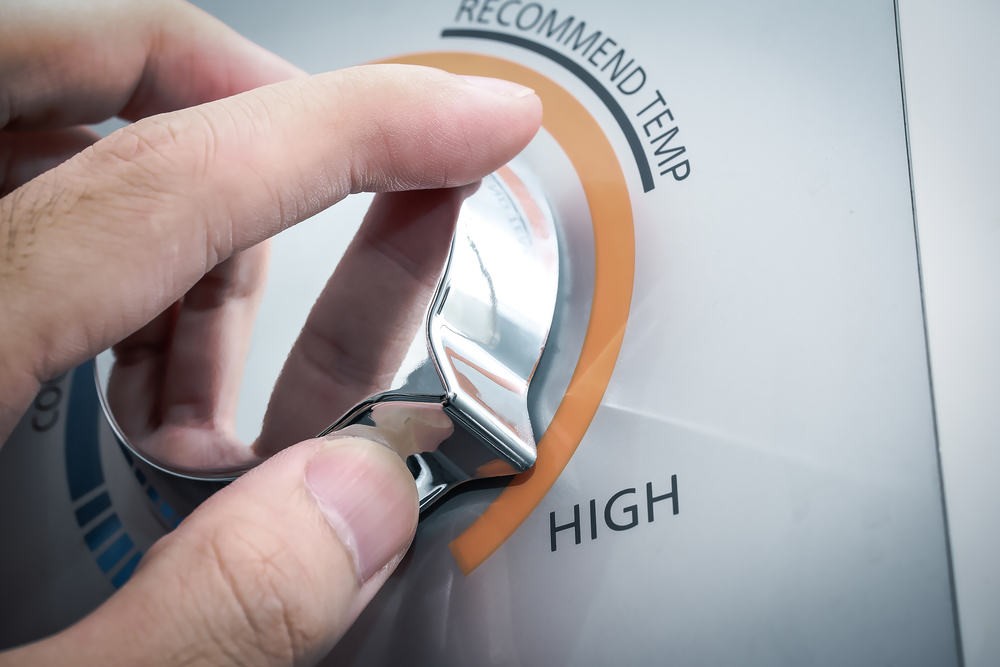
(167, 511)
(125, 573)
(84, 474)
(92, 509)
(114, 553)
(139, 476)
(102, 532)
(83, 455)
(153, 494)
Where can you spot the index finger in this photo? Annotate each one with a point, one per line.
(95, 248)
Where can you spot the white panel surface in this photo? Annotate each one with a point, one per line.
(951, 56)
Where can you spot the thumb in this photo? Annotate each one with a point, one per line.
(272, 570)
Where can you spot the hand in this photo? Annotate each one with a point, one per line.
(174, 387)
(98, 238)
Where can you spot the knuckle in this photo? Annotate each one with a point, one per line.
(172, 152)
(27, 216)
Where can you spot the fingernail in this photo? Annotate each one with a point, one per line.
(501, 86)
(369, 498)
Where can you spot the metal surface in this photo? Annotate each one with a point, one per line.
(485, 331)
(472, 362)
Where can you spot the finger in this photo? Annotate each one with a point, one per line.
(136, 389)
(182, 382)
(270, 571)
(136, 378)
(210, 343)
(25, 155)
(98, 246)
(366, 317)
(74, 64)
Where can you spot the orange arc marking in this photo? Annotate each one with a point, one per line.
(596, 164)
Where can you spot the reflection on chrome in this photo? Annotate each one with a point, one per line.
(457, 408)
(485, 331)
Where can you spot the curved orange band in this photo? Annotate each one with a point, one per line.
(596, 164)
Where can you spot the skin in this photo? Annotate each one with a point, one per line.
(100, 241)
